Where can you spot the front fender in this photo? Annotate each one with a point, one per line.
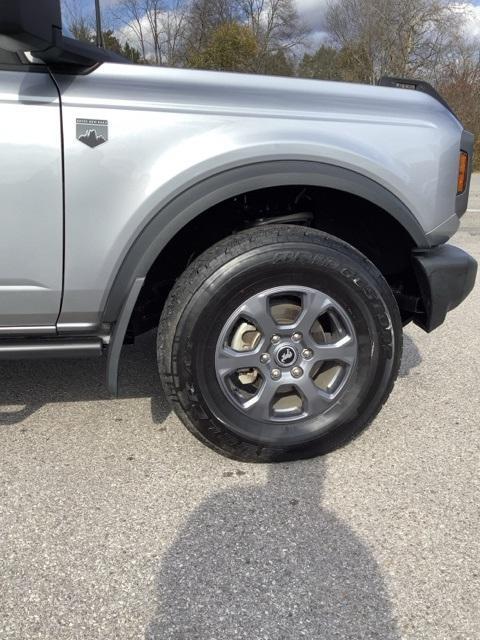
(231, 182)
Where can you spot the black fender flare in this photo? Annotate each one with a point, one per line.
(229, 183)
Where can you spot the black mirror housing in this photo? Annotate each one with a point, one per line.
(36, 26)
(29, 25)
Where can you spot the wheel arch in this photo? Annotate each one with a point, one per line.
(191, 203)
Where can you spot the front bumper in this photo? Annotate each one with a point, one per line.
(445, 275)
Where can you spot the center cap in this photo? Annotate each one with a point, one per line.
(286, 356)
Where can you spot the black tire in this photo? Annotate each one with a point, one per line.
(219, 280)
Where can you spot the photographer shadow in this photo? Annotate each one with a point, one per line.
(269, 562)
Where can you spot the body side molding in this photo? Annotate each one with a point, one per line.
(43, 348)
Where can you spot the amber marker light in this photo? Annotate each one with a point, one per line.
(462, 172)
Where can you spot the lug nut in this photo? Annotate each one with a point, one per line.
(297, 337)
(275, 339)
(265, 358)
(276, 374)
(297, 372)
(307, 354)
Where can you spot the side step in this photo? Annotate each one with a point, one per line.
(31, 349)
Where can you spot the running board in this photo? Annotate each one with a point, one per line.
(31, 349)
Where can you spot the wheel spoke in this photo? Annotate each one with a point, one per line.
(316, 400)
(258, 310)
(345, 350)
(314, 303)
(228, 360)
(259, 407)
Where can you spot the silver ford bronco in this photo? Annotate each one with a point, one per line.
(278, 232)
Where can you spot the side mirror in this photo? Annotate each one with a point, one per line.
(36, 26)
(29, 25)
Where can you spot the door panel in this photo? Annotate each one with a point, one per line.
(31, 202)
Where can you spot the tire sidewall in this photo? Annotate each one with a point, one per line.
(345, 276)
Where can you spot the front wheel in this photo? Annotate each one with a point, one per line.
(279, 343)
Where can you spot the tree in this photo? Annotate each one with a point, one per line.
(277, 29)
(80, 24)
(230, 47)
(131, 53)
(174, 32)
(203, 19)
(278, 63)
(111, 42)
(157, 27)
(274, 24)
(152, 11)
(387, 37)
(177, 32)
(130, 15)
(324, 64)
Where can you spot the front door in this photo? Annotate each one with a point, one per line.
(31, 199)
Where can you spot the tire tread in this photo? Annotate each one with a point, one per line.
(192, 280)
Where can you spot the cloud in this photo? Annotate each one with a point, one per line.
(472, 23)
(313, 12)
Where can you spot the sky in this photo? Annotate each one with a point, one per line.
(312, 12)
(310, 9)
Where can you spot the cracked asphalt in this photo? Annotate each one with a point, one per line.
(116, 524)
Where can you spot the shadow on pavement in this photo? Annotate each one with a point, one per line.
(411, 357)
(26, 386)
(270, 563)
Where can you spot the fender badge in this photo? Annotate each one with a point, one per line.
(92, 132)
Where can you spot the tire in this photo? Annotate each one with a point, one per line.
(353, 348)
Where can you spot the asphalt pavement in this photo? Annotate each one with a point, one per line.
(115, 523)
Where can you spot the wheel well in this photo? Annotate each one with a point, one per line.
(364, 225)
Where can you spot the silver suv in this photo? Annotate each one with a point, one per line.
(278, 232)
